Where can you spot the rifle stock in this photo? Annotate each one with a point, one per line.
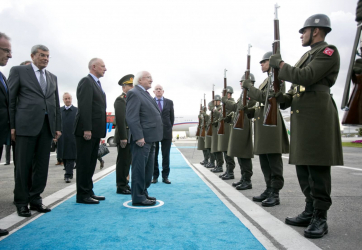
(199, 125)
(221, 130)
(203, 131)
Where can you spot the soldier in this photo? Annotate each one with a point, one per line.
(124, 156)
(241, 142)
(214, 142)
(208, 139)
(201, 139)
(269, 142)
(223, 140)
(315, 140)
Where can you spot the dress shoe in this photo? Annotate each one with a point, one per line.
(228, 176)
(237, 183)
(146, 202)
(166, 180)
(88, 200)
(98, 198)
(67, 180)
(218, 169)
(40, 208)
(204, 162)
(303, 219)
(3, 232)
(23, 211)
(102, 164)
(150, 198)
(154, 181)
(8, 163)
(272, 200)
(318, 225)
(210, 165)
(119, 191)
(263, 196)
(223, 174)
(244, 186)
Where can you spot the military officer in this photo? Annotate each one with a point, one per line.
(124, 156)
(223, 140)
(315, 140)
(241, 141)
(269, 142)
(201, 139)
(208, 139)
(214, 142)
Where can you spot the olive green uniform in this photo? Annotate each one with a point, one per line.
(214, 142)
(208, 140)
(315, 143)
(201, 140)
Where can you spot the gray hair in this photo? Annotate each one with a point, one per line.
(92, 62)
(4, 35)
(24, 63)
(35, 48)
(137, 77)
(66, 93)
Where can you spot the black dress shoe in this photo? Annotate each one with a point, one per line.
(228, 176)
(150, 198)
(223, 174)
(40, 208)
(67, 180)
(237, 183)
(218, 169)
(8, 163)
(98, 198)
(263, 196)
(123, 191)
(23, 211)
(272, 200)
(3, 232)
(203, 162)
(146, 202)
(88, 200)
(167, 181)
(154, 181)
(318, 226)
(210, 165)
(244, 186)
(303, 219)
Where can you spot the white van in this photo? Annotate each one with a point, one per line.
(111, 126)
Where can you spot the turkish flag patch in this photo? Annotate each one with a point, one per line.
(328, 51)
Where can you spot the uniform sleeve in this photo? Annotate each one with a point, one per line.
(257, 94)
(120, 114)
(231, 105)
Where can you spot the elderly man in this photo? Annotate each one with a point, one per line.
(90, 127)
(66, 144)
(35, 120)
(5, 55)
(168, 118)
(144, 120)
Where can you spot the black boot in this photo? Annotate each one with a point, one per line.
(225, 173)
(229, 176)
(245, 185)
(210, 165)
(318, 225)
(217, 169)
(263, 196)
(303, 219)
(272, 200)
(203, 162)
(237, 183)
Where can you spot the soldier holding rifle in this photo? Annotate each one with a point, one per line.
(214, 141)
(315, 143)
(201, 137)
(208, 138)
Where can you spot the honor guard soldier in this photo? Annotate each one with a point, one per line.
(315, 140)
(241, 141)
(208, 139)
(124, 156)
(223, 140)
(201, 140)
(269, 142)
(214, 142)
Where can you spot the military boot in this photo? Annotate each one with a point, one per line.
(245, 185)
(272, 200)
(263, 196)
(225, 173)
(237, 183)
(229, 176)
(217, 169)
(318, 225)
(210, 165)
(303, 219)
(204, 162)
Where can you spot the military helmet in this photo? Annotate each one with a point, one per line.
(266, 56)
(252, 78)
(317, 21)
(217, 98)
(211, 104)
(229, 89)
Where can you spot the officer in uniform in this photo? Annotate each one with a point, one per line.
(124, 156)
(241, 141)
(269, 142)
(223, 140)
(208, 139)
(201, 139)
(315, 140)
(217, 113)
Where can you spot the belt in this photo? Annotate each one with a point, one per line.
(312, 88)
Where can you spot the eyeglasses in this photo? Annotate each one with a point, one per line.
(6, 50)
(43, 55)
(149, 77)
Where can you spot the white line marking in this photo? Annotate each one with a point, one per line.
(139, 207)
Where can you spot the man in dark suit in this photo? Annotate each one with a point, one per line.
(35, 120)
(66, 144)
(124, 156)
(168, 118)
(90, 127)
(145, 123)
(5, 54)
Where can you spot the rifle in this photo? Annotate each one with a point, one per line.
(221, 130)
(239, 124)
(209, 131)
(204, 127)
(353, 107)
(271, 112)
(199, 125)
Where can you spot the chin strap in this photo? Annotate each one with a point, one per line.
(311, 37)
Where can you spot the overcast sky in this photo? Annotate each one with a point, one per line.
(185, 45)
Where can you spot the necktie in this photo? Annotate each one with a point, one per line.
(3, 82)
(100, 85)
(42, 82)
(159, 104)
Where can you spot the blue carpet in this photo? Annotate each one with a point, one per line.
(192, 217)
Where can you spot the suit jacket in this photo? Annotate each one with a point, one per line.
(91, 115)
(28, 103)
(66, 148)
(143, 116)
(4, 114)
(168, 118)
(122, 130)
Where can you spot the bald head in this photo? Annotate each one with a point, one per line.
(97, 67)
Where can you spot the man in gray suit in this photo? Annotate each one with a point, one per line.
(144, 120)
(34, 120)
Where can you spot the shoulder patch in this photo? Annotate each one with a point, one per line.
(328, 51)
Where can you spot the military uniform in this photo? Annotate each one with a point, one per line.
(208, 139)
(201, 140)
(214, 142)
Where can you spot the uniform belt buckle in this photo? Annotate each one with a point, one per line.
(301, 89)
